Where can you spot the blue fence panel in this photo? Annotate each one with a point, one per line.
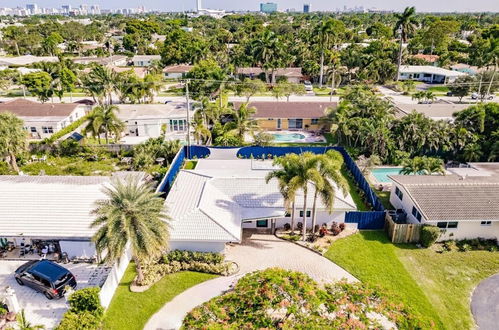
(175, 166)
(197, 152)
(366, 220)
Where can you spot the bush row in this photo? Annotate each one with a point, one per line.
(85, 311)
(190, 256)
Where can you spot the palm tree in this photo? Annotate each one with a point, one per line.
(405, 25)
(103, 119)
(200, 131)
(13, 138)
(132, 214)
(24, 324)
(329, 166)
(266, 50)
(243, 122)
(100, 83)
(284, 176)
(327, 33)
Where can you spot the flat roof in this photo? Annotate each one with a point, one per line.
(289, 109)
(435, 110)
(152, 111)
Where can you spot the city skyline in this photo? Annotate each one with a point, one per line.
(254, 5)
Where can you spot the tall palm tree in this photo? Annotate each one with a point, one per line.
(103, 119)
(328, 33)
(132, 214)
(266, 51)
(100, 83)
(243, 121)
(405, 25)
(200, 131)
(13, 138)
(329, 166)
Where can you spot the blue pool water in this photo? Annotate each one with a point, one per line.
(381, 174)
(288, 137)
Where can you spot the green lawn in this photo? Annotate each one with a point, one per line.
(129, 310)
(352, 186)
(190, 165)
(436, 286)
(384, 197)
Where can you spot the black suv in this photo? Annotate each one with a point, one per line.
(46, 277)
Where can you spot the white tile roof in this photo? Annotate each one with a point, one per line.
(49, 206)
(210, 203)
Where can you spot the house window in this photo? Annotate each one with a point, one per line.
(486, 223)
(416, 213)
(47, 129)
(399, 193)
(301, 214)
(32, 129)
(178, 124)
(447, 225)
(288, 214)
(295, 123)
(314, 121)
(270, 118)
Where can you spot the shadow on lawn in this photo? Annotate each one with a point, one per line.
(382, 237)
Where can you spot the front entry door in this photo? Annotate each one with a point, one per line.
(278, 123)
(262, 224)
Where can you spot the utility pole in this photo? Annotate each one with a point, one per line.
(188, 121)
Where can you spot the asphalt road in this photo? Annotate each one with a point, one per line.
(485, 303)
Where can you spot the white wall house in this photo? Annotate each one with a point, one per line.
(211, 204)
(177, 71)
(464, 204)
(41, 120)
(145, 60)
(429, 74)
(145, 121)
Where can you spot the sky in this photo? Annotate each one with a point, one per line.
(180, 5)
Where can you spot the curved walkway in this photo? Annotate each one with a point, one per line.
(256, 252)
(485, 303)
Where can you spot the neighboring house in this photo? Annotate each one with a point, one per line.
(114, 60)
(211, 204)
(293, 75)
(55, 209)
(139, 71)
(466, 68)
(464, 203)
(26, 60)
(41, 120)
(177, 71)
(144, 121)
(432, 59)
(145, 60)
(435, 111)
(275, 116)
(428, 74)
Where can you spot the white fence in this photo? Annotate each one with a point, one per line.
(114, 278)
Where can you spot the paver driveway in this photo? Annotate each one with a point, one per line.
(485, 303)
(40, 310)
(261, 251)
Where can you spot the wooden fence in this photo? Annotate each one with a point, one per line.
(402, 232)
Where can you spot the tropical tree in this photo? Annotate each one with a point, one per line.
(104, 119)
(243, 121)
(267, 52)
(200, 131)
(328, 34)
(13, 138)
(134, 214)
(24, 324)
(405, 25)
(250, 87)
(100, 83)
(423, 165)
(39, 84)
(462, 86)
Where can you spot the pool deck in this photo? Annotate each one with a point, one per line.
(372, 179)
(309, 138)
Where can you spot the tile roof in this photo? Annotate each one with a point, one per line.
(427, 58)
(436, 110)
(27, 59)
(27, 108)
(282, 72)
(452, 197)
(289, 109)
(182, 68)
(430, 69)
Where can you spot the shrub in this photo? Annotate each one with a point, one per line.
(342, 226)
(465, 247)
(335, 230)
(287, 226)
(429, 235)
(193, 256)
(86, 300)
(299, 225)
(449, 245)
(80, 321)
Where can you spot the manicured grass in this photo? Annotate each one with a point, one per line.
(72, 166)
(190, 165)
(438, 89)
(373, 259)
(436, 285)
(384, 197)
(130, 310)
(352, 186)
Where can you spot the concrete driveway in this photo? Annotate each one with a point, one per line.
(38, 309)
(261, 251)
(485, 303)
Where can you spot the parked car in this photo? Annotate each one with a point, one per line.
(475, 96)
(308, 86)
(46, 277)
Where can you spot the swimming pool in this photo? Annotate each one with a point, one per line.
(381, 173)
(288, 137)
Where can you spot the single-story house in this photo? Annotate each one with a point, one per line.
(435, 111)
(464, 204)
(41, 120)
(145, 60)
(210, 205)
(26, 60)
(114, 60)
(141, 72)
(428, 74)
(293, 75)
(177, 71)
(149, 120)
(275, 116)
(53, 209)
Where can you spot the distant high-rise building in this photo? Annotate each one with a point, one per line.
(32, 8)
(269, 7)
(66, 9)
(199, 6)
(306, 8)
